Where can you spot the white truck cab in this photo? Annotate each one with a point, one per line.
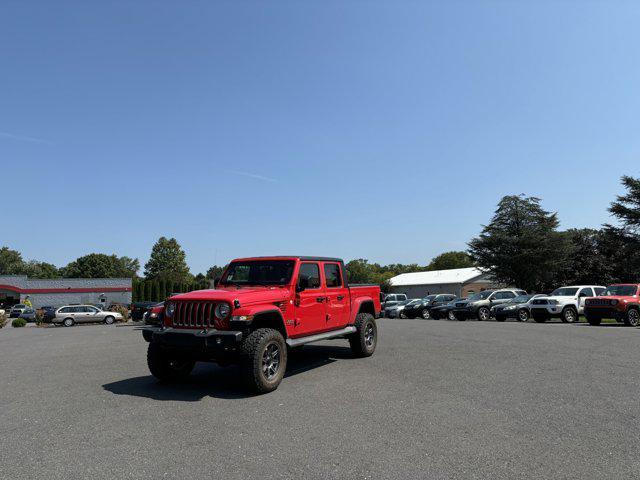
(565, 303)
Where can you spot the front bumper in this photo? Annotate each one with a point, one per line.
(604, 312)
(463, 312)
(208, 341)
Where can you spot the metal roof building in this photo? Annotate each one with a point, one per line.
(56, 292)
(458, 281)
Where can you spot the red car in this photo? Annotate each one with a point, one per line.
(620, 302)
(261, 308)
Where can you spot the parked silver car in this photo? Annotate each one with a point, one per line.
(72, 314)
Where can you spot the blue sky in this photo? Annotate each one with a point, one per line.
(381, 130)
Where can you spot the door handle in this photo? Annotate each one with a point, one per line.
(320, 299)
(340, 297)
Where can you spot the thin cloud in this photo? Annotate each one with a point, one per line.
(24, 138)
(253, 175)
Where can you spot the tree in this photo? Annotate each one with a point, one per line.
(167, 262)
(449, 260)
(35, 269)
(215, 273)
(100, 265)
(521, 245)
(626, 208)
(10, 261)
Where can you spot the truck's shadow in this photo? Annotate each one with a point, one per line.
(210, 380)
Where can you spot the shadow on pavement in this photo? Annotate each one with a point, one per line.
(210, 380)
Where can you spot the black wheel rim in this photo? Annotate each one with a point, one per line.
(369, 335)
(271, 361)
(523, 316)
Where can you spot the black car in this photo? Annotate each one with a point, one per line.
(423, 308)
(518, 308)
(138, 309)
(446, 310)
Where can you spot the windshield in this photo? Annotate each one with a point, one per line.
(259, 272)
(428, 298)
(564, 292)
(620, 290)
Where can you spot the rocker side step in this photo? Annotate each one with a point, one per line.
(294, 342)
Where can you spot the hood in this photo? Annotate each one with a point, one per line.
(245, 295)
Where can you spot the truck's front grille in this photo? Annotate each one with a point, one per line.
(194, 315)
(596, 302)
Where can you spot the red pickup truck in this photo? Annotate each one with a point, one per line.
(261, 308)
(620, 302)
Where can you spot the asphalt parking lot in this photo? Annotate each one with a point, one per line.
(438, 400)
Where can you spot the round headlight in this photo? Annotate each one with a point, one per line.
(170, 309)
(222, 310)
(613, 302)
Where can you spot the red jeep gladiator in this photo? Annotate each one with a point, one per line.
(262, 307)
(620, 302)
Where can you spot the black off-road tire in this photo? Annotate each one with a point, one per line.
(364, 340)
(167, 366)
(632, 318)
(256, 358)
(570, 312)
(594, 321)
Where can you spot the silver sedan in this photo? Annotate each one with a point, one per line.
(72, 314)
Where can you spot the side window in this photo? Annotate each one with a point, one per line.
(332, 275)
(401, 298)
(64, 310)
(599, 290)
(508, 295)
(586, 292)
(77, 309)
(309, 276)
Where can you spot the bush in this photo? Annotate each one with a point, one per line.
(3, 320)
(120, 309)
(18, 322)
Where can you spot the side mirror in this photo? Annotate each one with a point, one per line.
(303, 284)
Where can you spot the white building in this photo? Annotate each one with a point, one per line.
(458, 281)
(56, 292)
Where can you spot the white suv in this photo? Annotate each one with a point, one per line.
(565, 303)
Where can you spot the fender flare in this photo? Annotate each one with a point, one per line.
(356, 307)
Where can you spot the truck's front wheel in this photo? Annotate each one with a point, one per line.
(264, 360)
(167, 366)
(363, 341)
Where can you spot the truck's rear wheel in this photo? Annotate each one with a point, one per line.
(363, 341)
(167, 366)
(264, 360)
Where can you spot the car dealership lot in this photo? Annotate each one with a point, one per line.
(439, 399)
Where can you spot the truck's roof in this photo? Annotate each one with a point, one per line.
(290, 257)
